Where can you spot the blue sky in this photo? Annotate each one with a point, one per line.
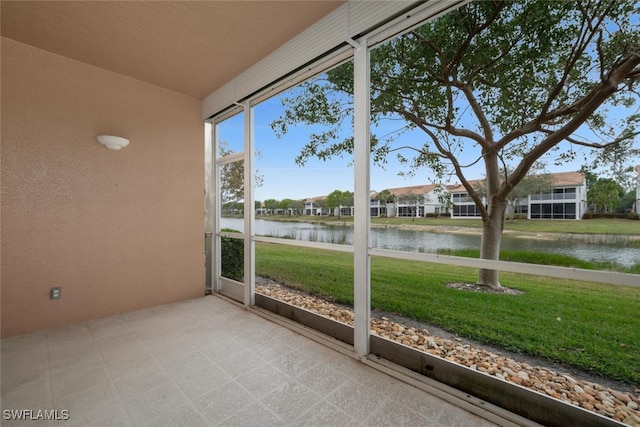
(283, 178)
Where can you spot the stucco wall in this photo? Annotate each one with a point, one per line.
(117, 230)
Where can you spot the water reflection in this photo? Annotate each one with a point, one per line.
(430, 242)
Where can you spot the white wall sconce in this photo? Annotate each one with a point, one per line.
(113, 142)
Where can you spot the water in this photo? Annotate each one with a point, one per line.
(430, 242)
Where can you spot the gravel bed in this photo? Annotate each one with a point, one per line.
(623, 406)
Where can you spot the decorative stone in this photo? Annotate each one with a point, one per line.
(594, 397)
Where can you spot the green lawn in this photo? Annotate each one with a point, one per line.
(590, 326)
(586, 226)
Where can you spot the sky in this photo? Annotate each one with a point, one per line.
(283, 178)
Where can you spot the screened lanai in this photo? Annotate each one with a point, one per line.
(124, 234)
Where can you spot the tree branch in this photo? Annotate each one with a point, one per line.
(591, 102)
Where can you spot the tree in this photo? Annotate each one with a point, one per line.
(385, 197)
(297, 206)
(412, 200)
(627, 202)
(336, 199)
(502, 82)
(271, 205)
(604, 195)
(232, 176)
(536, 181)
(286, 204)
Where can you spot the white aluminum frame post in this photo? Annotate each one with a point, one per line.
(361, 143)
(249, 209)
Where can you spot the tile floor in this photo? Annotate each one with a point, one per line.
(204, 362)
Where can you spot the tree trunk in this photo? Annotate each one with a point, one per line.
(490, 245)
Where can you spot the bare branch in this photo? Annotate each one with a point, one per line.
(594, 144)
(487, 141)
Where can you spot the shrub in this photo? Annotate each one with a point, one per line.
(618, 215)
(232, 256)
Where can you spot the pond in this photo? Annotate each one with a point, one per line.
(398, 238)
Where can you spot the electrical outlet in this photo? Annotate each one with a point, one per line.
(55, 293)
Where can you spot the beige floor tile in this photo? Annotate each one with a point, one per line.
(290, 400)
(263, 380)
(203, 382)
(452, 416)
(108, 416)
(224, 402)
(188, 364)
(186, 415)
(322, 379)
(294, 363)
(141, 382)
(86, 403)
(355, 399)
(76, 382)
(165, 349)
(394, 414)
(35, 396)
(16, 378)
(153, 406)
(224, 348)
(240, 363)
(427, 405)
(271, 349)
(254, 415)
(83, 363)
(71, 349)
(129, 364)
(325, 414)
(205, 362)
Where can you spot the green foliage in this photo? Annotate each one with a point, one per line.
(603, 196)
(609, 215)
(338, 198)
(232, 256)
(271, 204)
(625, 204)
(385, 196)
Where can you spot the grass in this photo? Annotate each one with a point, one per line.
(590, 326)
(587, 226)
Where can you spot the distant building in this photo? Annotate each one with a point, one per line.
(463, 205)
(415, 201)
(315, 206)
(567, 199)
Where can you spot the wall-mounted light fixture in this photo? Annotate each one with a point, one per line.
(113, 142)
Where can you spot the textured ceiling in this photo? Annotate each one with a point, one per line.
(191, 47)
